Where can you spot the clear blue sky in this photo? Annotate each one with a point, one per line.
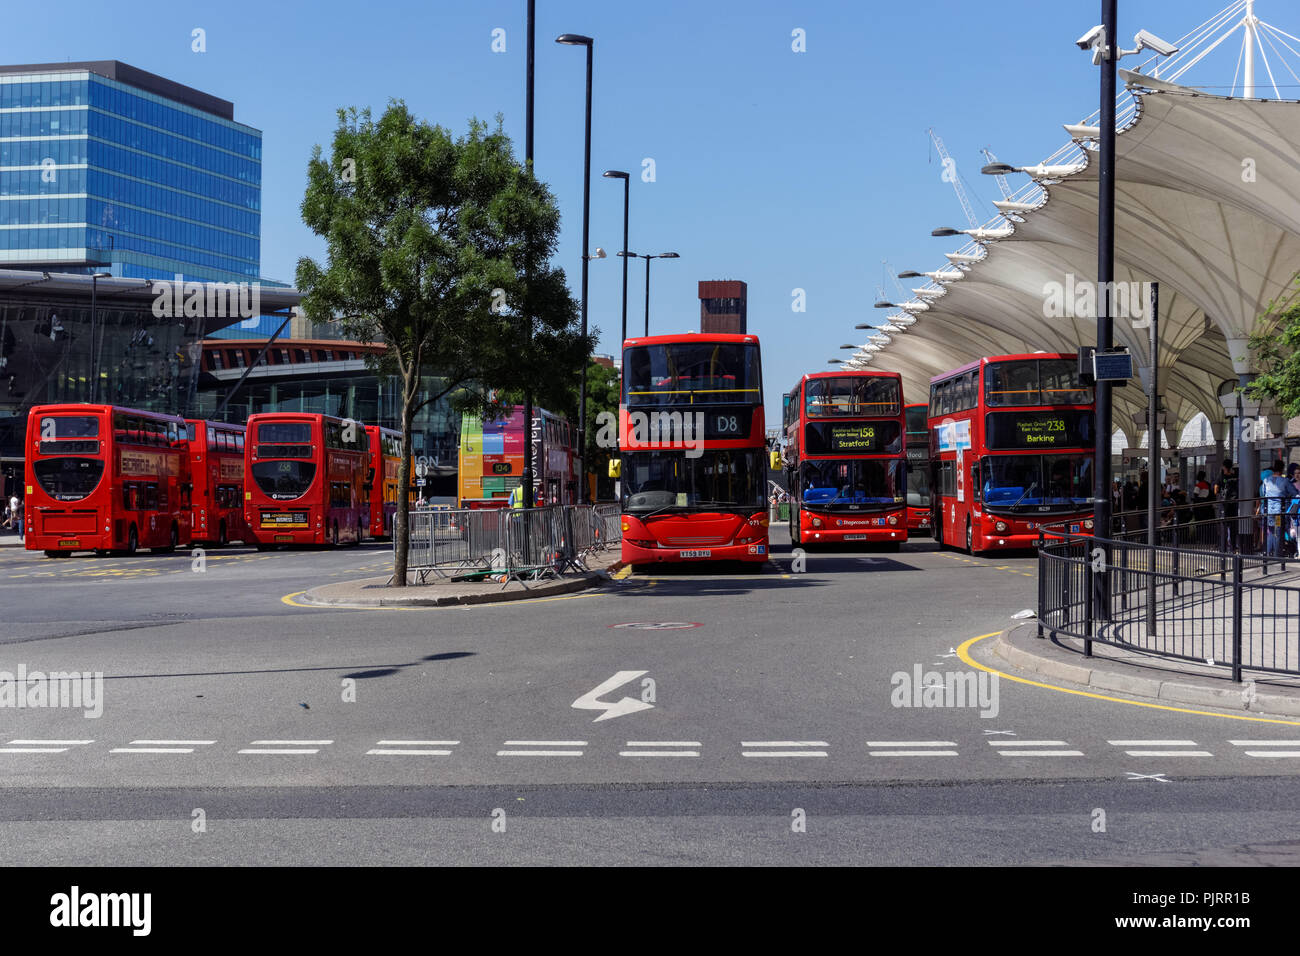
(785, 170)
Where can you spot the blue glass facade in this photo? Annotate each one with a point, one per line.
(99, 175)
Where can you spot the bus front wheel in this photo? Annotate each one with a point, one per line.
(970, 540)
(132, 541)
(172, 541)
(334, 535)
(222, 540)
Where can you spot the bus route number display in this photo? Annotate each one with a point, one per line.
(830, 438)
(1067, 428)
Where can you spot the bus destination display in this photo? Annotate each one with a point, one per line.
(1064, 428)
(860, 438)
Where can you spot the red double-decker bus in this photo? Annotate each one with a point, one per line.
(306, 479)
(918, 468)
(217, 467)
(1011, 449)
(844, 458)
(692, 465)
(385, 449)
(105, 479)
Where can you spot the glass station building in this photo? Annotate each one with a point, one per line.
(108, 168)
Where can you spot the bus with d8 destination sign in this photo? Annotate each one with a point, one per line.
(692, 459)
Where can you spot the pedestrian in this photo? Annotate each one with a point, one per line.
(1277, 493)
(1226, 491)
(1293, 476)
(16, 514)
(1202, 496)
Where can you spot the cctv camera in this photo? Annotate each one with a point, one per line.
(1149, 41)
(1095, 36)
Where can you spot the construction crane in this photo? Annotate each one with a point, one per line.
(950, 173)
(1002, 180)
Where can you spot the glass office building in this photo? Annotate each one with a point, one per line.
(107, 168)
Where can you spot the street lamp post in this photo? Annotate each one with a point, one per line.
(647, 258)
(574, 39)
(617, 174)
(527, 478)
(96, 351)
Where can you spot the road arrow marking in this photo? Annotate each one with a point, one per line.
(627, 705)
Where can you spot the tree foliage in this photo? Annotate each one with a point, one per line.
(1276, 345)
(439, 247)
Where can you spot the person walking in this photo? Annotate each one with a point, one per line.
(1202, 498)
(1277, 493)
(1293, 476)
(16, 514)
(1226, 491)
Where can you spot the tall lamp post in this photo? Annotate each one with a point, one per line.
(95, 350)
(575, 39)
(528, 164)
(662, 255)
(618, 174)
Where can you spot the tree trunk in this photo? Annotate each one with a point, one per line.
(402, 527)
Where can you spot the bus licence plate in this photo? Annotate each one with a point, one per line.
(284, 537)
(855, 537)
(694, 554)
(70, 543)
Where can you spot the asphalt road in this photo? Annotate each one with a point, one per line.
(780, 728)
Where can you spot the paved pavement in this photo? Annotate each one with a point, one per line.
(682, 715)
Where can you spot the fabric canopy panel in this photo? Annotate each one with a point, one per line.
(1207, 205)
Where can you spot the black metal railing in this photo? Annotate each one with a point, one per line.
(1185, 600)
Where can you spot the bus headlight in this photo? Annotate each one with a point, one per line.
(893, 520)
(816, 522)
(1088, 523)
(1000, 527)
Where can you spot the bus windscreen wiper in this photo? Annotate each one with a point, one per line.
(1032, 485)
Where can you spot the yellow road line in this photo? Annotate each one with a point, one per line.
(964, 653)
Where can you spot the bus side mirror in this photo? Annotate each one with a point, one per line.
(616, 468)
(774, 461)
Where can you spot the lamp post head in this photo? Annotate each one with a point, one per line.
(910, 274)
(945, 231)
(668, 255)
(882, 304)
(614, 174)
(999, 169)
(574, 39)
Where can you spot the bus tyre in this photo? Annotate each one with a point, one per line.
(970, 539)
(222, 540)
(265, 547)
(938, 534)
(132, 541)
(360, 534)
(334, 535)
(173, 540)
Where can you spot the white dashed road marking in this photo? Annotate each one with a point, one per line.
(805, 745)
(910, 748)
(410, 748)
(661, 748)
(543, 748)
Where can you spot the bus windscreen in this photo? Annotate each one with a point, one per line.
(684, 373)
(851, 396)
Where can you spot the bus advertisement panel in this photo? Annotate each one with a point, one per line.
(492, 454)
(217, 468)
(1011, 450)
(844, 458)
(307, 477)
(383, 474)
(918, 468)
(692, 461)
(104, 478)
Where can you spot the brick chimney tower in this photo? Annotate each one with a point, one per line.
(722, 306)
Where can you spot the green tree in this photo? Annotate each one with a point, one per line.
(439, 247)
(1276, 344)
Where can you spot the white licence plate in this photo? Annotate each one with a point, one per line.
(694, 554)
(855, 537)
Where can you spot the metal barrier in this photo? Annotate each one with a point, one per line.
(1196, 604)
(518, 544)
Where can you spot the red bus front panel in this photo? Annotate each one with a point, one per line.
(844, 458)
(693, 450)
(217, 467)
(306, 477)
(103, 478)
(1012, 450)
